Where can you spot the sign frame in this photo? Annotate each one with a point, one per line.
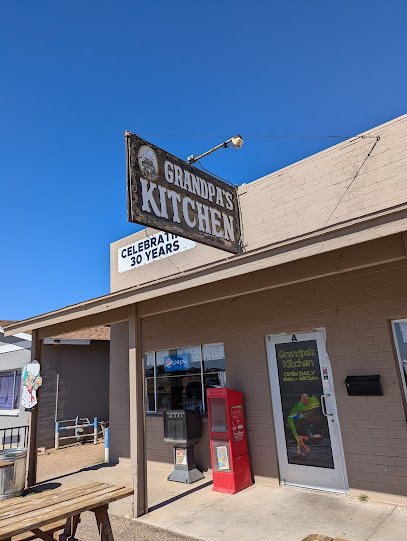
(167, 194)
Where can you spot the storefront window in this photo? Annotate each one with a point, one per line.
(400, 338)
(177, 378)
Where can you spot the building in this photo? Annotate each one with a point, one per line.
(318, 297)
(71, 365)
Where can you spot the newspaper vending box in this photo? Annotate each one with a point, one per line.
(228, 440)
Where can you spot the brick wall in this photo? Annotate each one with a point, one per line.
(355, 309)
(300, 199)
(83, 385)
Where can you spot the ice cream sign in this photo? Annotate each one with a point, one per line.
(176, 363)
(31, 381)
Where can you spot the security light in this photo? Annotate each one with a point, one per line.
(236, 141)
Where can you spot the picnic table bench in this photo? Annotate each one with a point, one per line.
(43, 515)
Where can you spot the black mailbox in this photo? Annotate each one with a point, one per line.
(182, 426)
(363, 386)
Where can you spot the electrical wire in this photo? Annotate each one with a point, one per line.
(353, 180)
(215, 175)
(256, 136)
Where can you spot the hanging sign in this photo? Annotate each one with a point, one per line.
(31, 381)
(151, 249)
(166, 193)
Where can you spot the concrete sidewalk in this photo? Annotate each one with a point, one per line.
(279, 514)
(261, 512)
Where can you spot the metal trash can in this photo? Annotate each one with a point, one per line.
(12, 477)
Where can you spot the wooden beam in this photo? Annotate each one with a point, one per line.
(33, 421)
(82, 322)
(138, 453)
(375, 252)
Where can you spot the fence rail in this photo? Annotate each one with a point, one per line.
(14, 436)
(77, 430)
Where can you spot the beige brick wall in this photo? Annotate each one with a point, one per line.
(300, 199)
(355, 309)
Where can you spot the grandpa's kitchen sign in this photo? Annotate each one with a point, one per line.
(166, 193)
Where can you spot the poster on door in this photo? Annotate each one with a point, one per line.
(305, 426)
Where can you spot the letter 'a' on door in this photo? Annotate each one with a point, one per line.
(309, 444)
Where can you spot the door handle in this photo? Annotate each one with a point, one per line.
(323, 405)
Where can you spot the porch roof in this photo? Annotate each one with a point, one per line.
(113, 307)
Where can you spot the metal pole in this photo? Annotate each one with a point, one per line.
(57, 382)
(107, 445)
(57, 435)
(95, 430)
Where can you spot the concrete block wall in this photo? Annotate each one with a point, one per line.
(83, 385)
(355, 309)
(300, 199)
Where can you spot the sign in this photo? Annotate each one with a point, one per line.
(236, 413)
(31, 381)
(301, 386)
(151, 249)
(181, 456)
(166, 193)
(222, 457)
(176, 363)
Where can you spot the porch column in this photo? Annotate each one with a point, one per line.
(137, 414)
(33, 421)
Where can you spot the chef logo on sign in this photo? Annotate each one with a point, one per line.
(148, 162)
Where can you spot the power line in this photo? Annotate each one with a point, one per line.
(256, 136)
(353, 179)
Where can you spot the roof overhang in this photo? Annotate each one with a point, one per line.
(114, 307)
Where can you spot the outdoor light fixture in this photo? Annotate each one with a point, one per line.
(235, 141)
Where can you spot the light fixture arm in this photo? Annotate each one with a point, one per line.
(236, 141)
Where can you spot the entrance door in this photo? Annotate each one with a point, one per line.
(309, 445)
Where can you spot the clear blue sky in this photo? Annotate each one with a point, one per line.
(76, 74)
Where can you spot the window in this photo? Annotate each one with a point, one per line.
(400, 339)
(10, 383)
(177, 378)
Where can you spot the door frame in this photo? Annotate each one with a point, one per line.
(319, 335)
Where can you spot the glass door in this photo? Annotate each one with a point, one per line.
(308, 437)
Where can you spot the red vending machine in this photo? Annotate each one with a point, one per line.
(228, 440)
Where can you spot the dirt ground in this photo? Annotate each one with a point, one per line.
(125, 530)
(56, 463)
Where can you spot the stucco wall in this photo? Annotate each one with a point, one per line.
(11, 361)
(355, 309)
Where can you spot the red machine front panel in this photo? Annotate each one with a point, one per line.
(228, 440)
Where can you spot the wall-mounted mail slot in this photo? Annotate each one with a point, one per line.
(363, 385)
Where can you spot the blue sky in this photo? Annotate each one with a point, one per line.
(75, 75)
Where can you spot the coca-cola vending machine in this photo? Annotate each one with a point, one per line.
(228, 441)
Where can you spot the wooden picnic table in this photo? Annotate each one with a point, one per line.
(44, 514)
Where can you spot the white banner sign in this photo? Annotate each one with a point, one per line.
(151, 249)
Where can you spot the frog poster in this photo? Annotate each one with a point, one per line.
(306, 428)
(31, 381)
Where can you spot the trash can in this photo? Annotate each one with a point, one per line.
(12, 472)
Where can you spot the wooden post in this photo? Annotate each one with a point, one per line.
(32, 441)
(137, 414)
